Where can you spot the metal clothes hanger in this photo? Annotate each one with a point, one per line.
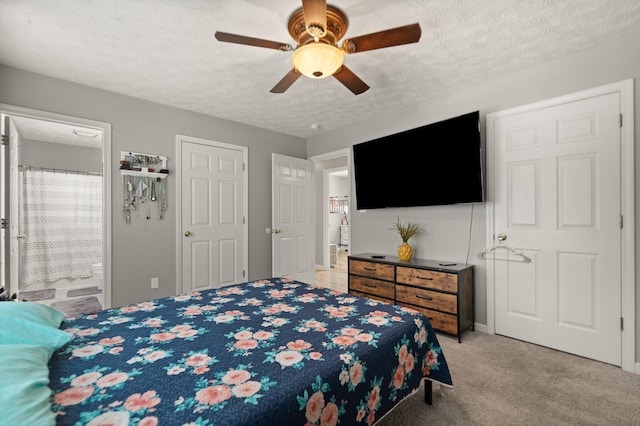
(501, 237)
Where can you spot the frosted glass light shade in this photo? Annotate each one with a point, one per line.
(317, 60)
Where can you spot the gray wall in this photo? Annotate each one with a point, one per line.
(60, 156)
(447, 228)
(145, 249)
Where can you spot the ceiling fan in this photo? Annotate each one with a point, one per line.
(317, 28)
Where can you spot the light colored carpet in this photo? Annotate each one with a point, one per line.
(77, 307)
(501, 381)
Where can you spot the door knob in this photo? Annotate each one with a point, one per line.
(21, 236)
(502, 237)
(277, 230)
(187, 233)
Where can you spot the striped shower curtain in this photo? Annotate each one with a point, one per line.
(62, 223)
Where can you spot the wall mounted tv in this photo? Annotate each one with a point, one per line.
(436, 164)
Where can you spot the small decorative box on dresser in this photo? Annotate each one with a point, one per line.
(443, 291)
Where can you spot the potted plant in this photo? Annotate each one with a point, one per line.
(406, 231)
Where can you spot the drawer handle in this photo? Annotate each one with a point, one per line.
(370, 269)
(423, 297)
(369, 285)
(424, 278)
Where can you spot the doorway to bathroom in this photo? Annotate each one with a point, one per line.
(55, 206)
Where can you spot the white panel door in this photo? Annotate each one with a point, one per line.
(293, 222)
(212, 216)
(557, 199)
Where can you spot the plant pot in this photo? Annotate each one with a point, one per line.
(405, 252)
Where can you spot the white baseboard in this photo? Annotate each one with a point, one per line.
(637, 368)
(482, 328)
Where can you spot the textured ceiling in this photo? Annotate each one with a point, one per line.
(164, 51)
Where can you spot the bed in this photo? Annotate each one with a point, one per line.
(264, 352)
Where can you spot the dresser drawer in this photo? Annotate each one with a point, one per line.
(427, 299)
(371, 286)
(444, 295)
(427, 279)
(439, 321)
(371, 296)
(371, 269)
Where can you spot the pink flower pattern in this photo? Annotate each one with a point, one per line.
(274, 330)
(137, 402)
(74, 395)
(213, 394)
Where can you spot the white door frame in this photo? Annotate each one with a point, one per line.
(178, 204)
(326, 186)
(325, 198)
(12, 110)
(627, 163)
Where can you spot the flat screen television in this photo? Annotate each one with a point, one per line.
(436, 164)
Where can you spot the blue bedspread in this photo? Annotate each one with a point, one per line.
(268, 352)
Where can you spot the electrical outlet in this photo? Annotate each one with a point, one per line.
(154, 282)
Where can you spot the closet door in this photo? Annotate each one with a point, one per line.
(557, 199)
(213, 228)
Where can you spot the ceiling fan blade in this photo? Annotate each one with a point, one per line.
(393, 37)
(286, 81)
(351, 81)
(250, 41)
(315, 13)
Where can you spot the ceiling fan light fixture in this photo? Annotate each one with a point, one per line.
(317, 60)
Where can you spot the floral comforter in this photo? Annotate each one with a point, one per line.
(267, 352)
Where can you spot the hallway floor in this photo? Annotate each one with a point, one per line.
(335, 278)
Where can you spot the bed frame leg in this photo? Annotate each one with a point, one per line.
(428, 392)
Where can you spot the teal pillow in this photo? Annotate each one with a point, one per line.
(32, 311)
(31, 323)
(24, 387)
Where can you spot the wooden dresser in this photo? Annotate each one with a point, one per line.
(443, 291)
